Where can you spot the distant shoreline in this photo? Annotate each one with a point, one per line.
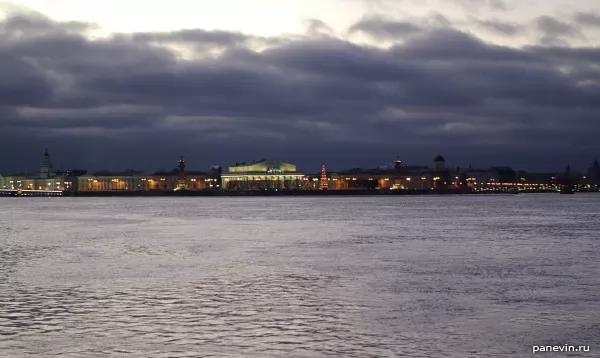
(209, 193)
(287, 193)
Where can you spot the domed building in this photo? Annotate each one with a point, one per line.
(439, 163)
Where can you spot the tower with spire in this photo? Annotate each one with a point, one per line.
(46, 167)
(182, 185)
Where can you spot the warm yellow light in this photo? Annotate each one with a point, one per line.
(408, 179)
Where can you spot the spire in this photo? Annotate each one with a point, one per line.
(46, 167)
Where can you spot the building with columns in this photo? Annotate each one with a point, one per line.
(177, 179)
(396, 177)
(81, 181)
(262, 175)
(45, 179)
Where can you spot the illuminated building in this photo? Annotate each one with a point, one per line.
(81, 181)
(177, 179)
(44, 180)
(262, 175)
(394, 177)
(274, 175)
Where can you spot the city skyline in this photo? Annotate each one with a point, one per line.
(173, 166)
(493, 82)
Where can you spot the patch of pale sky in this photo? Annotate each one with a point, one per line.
(277, 17)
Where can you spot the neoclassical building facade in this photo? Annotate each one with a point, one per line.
(262, 175)
(46, 179)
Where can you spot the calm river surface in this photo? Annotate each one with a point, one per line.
(423, 276)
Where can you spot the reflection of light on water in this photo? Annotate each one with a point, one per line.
(352, 277)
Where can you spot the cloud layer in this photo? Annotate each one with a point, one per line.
(419, 87)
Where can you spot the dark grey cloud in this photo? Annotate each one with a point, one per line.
(497, 5)
(501, 27)
(22, 83)
(588, 19)
(317, 27)
(222, 38)
(379, 27)
(384, 28)
(26, 25)
(131, 101)
(555, 31)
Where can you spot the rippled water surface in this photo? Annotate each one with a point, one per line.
(424, 276)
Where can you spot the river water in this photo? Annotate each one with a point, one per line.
(422, 276)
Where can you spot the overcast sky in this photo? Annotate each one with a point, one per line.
(117, 84)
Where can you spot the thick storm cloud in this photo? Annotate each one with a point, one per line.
(140, 100)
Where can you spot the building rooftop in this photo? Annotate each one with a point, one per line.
(264, 166)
